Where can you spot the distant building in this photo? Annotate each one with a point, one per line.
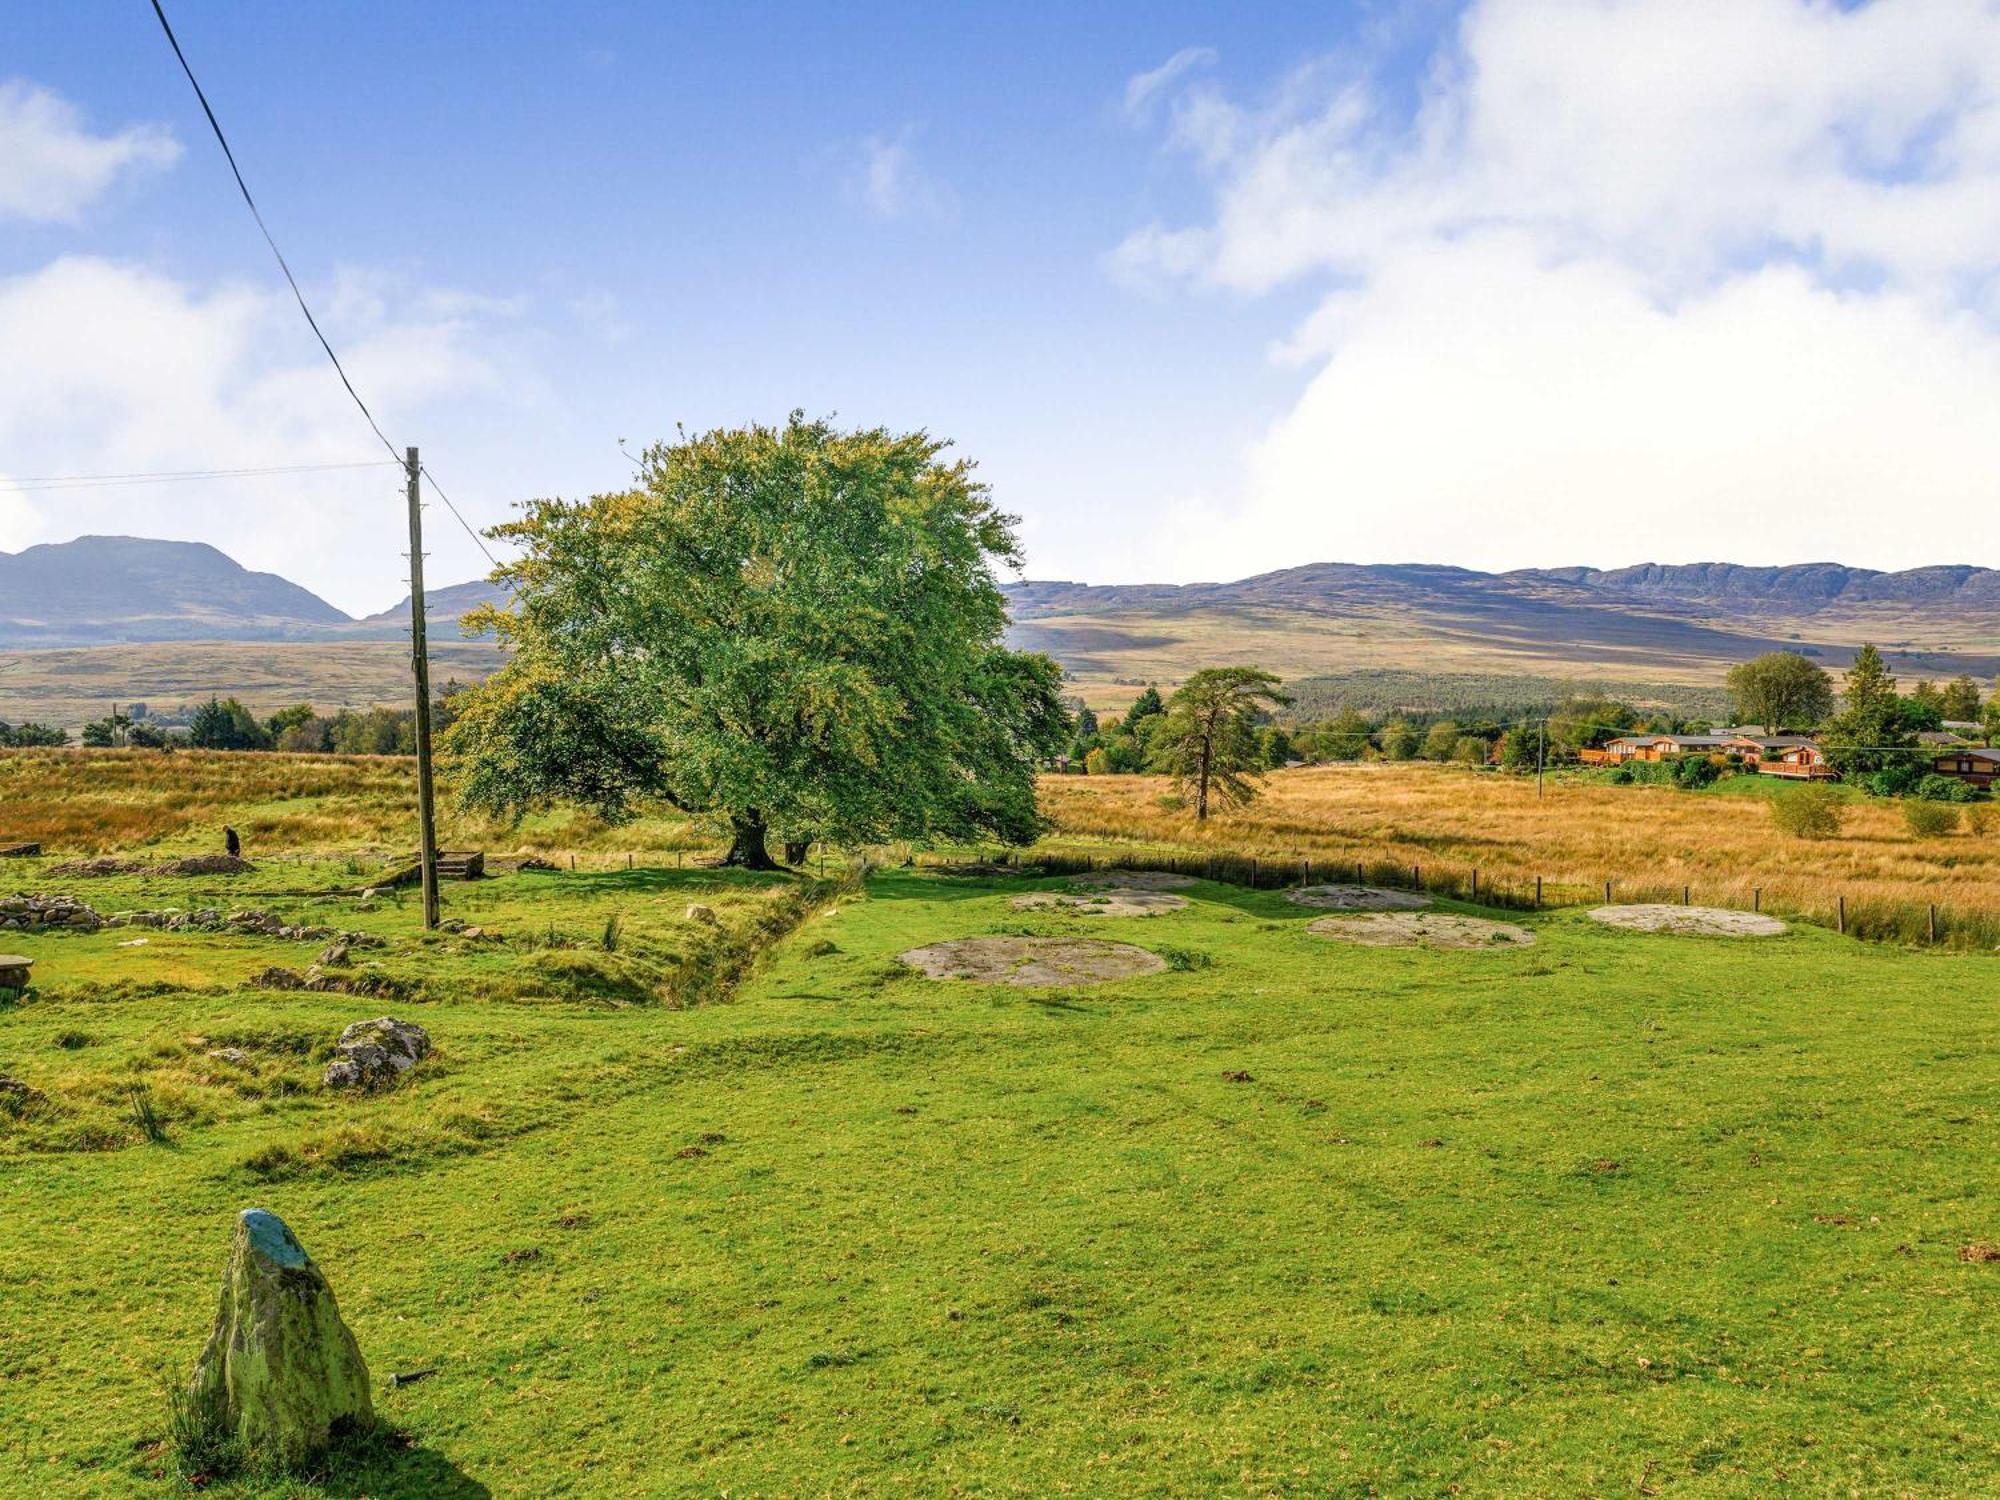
(1970, 763)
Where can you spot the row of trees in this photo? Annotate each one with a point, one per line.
(26, 736)
(225, 724)
(1784, 690)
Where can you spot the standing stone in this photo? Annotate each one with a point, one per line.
(280, 1369)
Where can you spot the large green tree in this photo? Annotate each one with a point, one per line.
(1781, 690)
(793, 630)
(1208, 740)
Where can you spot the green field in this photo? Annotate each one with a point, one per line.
(1616, 1213)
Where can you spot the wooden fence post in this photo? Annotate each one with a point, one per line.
(1841, 915)
(1538, 893)
(1933, 922)
(1757, 898)
(1685, 899)
(1607, 893)
(1475, 882)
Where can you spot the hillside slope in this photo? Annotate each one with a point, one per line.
(121, 588)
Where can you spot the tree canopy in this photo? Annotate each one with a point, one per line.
(1781, 690)
(1868, 735)
(795, 630)
(1208, 740)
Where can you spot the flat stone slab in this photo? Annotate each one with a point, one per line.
(1688, 921)
(1423, 930)
(1112, 901)
(14, 971)
(1357, 898)
(1135, 880)
(1025, 961)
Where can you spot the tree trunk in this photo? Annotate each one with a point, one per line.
(796, 851)
(747, 842)
(1201, 787)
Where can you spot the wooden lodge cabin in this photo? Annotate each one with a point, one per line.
(1970, 763)
(1794, 756)
(1790, 755)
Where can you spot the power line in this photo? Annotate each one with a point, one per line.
(174, 476)
(250, 202)
(477, 540)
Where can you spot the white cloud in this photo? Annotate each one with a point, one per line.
(889, 181)
(1633, 279)
(52, 167)
(116, 369)
(1143, 90)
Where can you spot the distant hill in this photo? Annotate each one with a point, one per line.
(442, 609)
(1800, 586)
(120, 588)
(1679, 624)
(114, 590)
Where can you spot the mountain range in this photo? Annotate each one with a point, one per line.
(1681, 623)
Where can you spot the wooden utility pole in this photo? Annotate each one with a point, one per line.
(420, 664)
(1541, 754)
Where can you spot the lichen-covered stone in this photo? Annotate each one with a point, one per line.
(374, 1054)
(280, 1369)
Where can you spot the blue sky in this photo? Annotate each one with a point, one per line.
(674, 205)
(1381, 282)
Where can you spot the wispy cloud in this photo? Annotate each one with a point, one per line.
(889, 181)
(1144, 90)
(52, 167)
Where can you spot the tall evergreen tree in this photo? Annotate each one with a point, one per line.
(1208, 742)
(1869, 735)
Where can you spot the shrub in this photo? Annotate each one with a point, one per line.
(1935, 788)
(1813, 811)
(1898, 780)
(1096, 763)
(1470, 750)
(1930, 820)
(1980, 818)
(1693, 771)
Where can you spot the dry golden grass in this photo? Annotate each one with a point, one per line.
(1649, 841)
(104, 801)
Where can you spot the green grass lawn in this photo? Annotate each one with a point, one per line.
(1615, 1213)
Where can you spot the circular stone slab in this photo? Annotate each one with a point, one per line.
(1694, 921)
(1013, 960)
(1422, 930)
(1135, 880)
(1112, 901)
(1357, 898)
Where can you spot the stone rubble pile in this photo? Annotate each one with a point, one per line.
(213, 919)
(24, 913)
(374, 1054)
